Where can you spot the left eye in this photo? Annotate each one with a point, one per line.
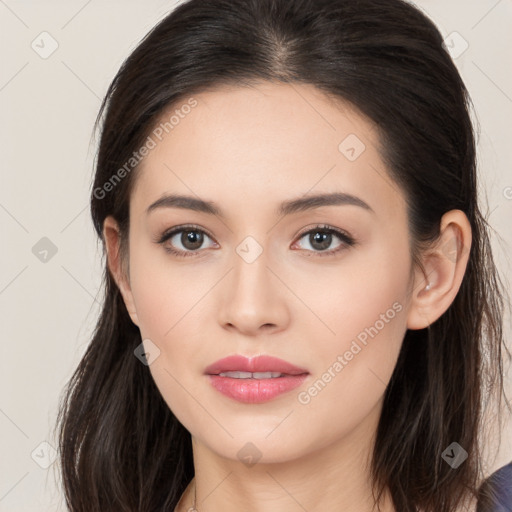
(321, 238)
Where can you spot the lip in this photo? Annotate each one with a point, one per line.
(254, 390)
(260, 363)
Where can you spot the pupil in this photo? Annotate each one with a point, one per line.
(324, 240)
(192, 239)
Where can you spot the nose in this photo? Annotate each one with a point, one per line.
(252, 298)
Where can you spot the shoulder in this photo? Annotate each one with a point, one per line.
(495, 493)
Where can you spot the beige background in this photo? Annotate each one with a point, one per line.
(48, 106)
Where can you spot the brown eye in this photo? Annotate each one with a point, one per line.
(191, 240)
(184, 241)
(321, 238)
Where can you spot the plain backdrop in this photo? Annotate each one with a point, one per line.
(50, 261)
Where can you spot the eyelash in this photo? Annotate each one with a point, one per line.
(346, 239)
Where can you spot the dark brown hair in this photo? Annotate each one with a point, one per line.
(121, 447)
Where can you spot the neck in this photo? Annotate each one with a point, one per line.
(335, 477)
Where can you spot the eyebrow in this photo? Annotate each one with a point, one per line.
(288, 207)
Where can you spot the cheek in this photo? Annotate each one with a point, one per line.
(354, 367)
(371, 283)
(366, 310)
(166, 293)
(169, 310)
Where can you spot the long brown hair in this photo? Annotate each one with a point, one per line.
(121, 448)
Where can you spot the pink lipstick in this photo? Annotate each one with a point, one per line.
(254, 380)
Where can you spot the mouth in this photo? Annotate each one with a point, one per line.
(254, 380)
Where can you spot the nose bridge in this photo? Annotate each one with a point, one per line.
(250, 298)
(251, 277)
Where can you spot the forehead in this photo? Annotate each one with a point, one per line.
(263, 144)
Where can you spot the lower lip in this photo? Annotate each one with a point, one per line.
(254, 391)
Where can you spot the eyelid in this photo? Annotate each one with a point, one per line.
(168, 233)
(323, 227)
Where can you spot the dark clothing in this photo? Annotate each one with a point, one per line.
(495, 494)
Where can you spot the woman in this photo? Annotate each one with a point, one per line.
(301, 306)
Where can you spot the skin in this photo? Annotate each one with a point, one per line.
(247, 149)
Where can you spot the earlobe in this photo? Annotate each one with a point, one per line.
(112, 239)
(437, 284)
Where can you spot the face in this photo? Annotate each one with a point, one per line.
(322, 285)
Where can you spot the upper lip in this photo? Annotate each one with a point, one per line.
(261, 363)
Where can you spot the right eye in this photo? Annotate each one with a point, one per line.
(191, 238)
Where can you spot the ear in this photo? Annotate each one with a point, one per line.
(444, 265)
(112, 237)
